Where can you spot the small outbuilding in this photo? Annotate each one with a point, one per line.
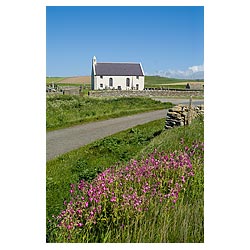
(113, 75)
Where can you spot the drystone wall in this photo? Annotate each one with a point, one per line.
(182, 115)
(55, 89)
(146, 93)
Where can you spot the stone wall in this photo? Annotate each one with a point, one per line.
(55, 89)
(146, 93)
(71, 91)
(182, 115)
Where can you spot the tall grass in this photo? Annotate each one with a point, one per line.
(131, 201)
(86, 162)
(65, 110)
(157, 197)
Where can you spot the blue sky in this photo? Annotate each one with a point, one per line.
(167, 40)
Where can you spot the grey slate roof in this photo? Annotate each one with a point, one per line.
(118, 69)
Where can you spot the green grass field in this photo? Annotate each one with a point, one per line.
(64, 110)
(182, 223)
(163, 82)
(53, 79)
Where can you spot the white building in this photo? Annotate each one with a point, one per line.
(121, 76)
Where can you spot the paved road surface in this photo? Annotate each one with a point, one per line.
(64, 140)
(180, 101)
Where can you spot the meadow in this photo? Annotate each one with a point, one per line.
(145, 184)
(67, 110)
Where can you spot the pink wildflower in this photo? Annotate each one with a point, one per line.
(183, 178)
(113, 199)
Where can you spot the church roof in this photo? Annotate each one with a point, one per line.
(118, 69)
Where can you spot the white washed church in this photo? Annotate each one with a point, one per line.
(120, 76)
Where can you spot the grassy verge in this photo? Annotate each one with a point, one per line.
(86, 162)
(181, 222)
(65, 110)
(84, 85)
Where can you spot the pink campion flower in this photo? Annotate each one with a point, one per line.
(99, 209)
(191, 173)
(183, 179)
(113, 199)
(86, 204)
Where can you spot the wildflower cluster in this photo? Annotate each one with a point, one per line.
(128, 191)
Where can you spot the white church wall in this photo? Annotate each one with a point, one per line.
(119, 82)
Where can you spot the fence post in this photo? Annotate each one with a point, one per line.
(190, 111)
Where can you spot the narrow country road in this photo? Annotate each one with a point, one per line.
(176, 101)
(64, 140)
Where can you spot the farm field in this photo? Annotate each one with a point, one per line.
(150, 81)
(76, 79)
(65, 110)
(69, 80)
(53, 79)
(163, 82)
(156, 197)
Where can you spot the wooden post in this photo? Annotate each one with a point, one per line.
(190, 111)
